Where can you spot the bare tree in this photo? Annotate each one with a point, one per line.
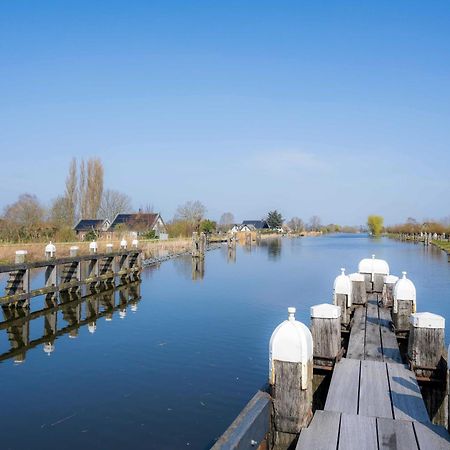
(191, 212)
(26, 211)
(94, 186)
(314, 223)
(148, 208)
(226, 219)
(113, 203)
(71, 193)
(60, 211)
(90, 188)
(296, 224)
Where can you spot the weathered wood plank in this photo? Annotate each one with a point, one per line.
(396, 434)
(357, 335)
(374, 395)
(322, 433)
(358, 433)
(373, 350)
(391, 351)
(252, 424)
(407, 401)
(343, 392)
(431, 437)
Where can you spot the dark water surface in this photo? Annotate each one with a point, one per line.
(175, 372)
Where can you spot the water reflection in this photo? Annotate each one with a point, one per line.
(198, 268)
(273, 248)
(73, 310)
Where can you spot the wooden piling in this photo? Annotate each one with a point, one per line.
(342, 296)
(388, 291)
(326, 334)
(404, 304)
(290, 377)
(359, 294)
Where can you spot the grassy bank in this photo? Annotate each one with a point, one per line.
(443, 245)
(151, 248)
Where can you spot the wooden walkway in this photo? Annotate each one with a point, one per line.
(374, 401)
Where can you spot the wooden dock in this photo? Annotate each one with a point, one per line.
(374, 400)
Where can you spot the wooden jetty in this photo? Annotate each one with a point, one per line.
(372, 398)
(75, 273)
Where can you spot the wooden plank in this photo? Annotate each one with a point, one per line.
(358, 433)
(252, 424)
(357, 335)
(396, 434)
(344, 387)
(374, 395)
(391, 351)
(373, 350)
(431, 437)
(322, 433)
(407, 401)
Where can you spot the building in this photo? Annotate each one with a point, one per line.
(138, 224)
(258, 224)
(85, 226)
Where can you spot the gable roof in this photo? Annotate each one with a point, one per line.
(89, 224)
(258, 224)
(140, 219)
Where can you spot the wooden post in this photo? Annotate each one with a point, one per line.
(359, 294)
(203, 244)
(290, 378)
(342, 296)
(326, 333)
(123, 244)
(195, 249)
(93, 247)
(109, 248)
(426, 343)
(404, 304)
(388, 290)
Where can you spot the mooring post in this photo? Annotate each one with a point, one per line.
(388, 290)
(123, 244)
(374, 271)
(326, 333)
(290, 378)
(203, 244)
(342, 296)
(93, 248)
(50, 251)
(404, 303)
(359, 294)
(109, 248)
(195, 249)
(426, 345)
(19, 280)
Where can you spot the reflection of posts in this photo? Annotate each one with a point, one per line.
(107, 300)
(198, 268)
(18, 335)
(248, 239)
(231, 255)
(290, 378)
(71, 314)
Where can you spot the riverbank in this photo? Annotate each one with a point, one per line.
(150, 248)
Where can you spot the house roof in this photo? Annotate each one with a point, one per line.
(140, 219)
(88, 224)
(250, 226)
(258, 224)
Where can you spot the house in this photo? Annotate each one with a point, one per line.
(247, 227)
(258, 224)
(138, 224)
(85, 226)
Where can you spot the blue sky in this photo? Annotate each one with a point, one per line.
(338, 109)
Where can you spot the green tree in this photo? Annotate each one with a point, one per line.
(274, 219)
(208, 226)
(375, 224)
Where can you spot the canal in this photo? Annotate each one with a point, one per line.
(172, 369)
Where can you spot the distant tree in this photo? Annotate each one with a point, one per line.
(375, 224)
(61, 212)
(208, 226)
(274, 219)
(71, 193)
(296, 225)
(191, 212)
(315, 223)
(226, 219)
(113, 203)
(90, 188)
(26, 211)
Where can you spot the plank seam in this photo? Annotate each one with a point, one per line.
(359, 388)
(390, 390)
(339, 431)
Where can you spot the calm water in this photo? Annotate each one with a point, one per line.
(175, 372)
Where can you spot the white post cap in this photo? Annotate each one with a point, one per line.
(427, 320)
(390, 279)
(93, 245)
(123, 243)
(74, 247)
(21, 252)
(134, 243)
(404, 289)
(291, 342)
(356, 277)
(50, 248)
(325, 311)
